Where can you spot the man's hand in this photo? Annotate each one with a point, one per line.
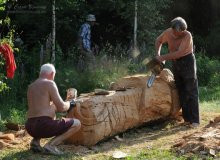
(159, 58)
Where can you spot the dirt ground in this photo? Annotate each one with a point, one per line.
(203, 141)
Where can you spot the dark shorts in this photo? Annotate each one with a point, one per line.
(45, 127)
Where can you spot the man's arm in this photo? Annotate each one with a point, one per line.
(158, 44)
(180, 52)
(61, 106)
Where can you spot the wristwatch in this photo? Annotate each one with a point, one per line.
(72, 105)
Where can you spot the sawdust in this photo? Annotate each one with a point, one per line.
(203, 142)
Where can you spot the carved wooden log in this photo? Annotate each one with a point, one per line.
(103, 116)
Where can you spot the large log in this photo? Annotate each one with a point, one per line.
(103, 116)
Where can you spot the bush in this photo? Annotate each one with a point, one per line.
(2, 125)
(107, 70)
(16, 116)
(12, 111)
(213, 40)
(209, 94)
(208, 70)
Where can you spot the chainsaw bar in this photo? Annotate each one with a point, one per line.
(155, 67)
(151, 80)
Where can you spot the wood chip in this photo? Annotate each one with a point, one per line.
(118, 138)
(212, 152)
(8, 136)
(209, 134)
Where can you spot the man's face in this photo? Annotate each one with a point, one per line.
(177, 33)
(93, 23)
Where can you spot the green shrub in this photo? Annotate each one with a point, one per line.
(213, 40)
(16, 116)
(107, 71)
(208, 70)
(2, 125)
(13, 111)
(209, 94)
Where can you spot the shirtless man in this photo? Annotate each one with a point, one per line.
(43, 101)
(180, 45)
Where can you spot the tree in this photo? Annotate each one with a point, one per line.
(53, 32)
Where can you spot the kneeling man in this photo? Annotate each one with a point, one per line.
(43, 102)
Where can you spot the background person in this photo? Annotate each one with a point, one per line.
(84, 42)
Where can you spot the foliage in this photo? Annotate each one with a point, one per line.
(213, 40)
(151, 19)
(2, 125)
(208, 70)
(12, 111)
(209, 94)
(2, 6)
(107, 71)
(3, 86)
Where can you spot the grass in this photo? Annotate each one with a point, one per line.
(20, 154)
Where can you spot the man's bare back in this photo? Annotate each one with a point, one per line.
(40, 93)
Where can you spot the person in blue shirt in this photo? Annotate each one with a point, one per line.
(85, 41)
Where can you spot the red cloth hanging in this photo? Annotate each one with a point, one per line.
(7, 52)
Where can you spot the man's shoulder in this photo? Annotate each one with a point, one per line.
(168, 30)
(42, 82)
(187, 33)
(49, 82)
(165, 34)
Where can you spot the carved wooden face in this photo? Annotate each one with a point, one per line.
(71, 94)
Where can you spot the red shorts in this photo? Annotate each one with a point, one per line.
(45, 127)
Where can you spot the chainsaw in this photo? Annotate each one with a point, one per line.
(155, 67)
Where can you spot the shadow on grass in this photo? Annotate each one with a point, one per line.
(146, 133)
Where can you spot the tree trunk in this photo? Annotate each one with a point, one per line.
(135, 24)
(53, 32)
(107, 115)
(41, 54)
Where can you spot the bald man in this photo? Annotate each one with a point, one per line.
(43, 102)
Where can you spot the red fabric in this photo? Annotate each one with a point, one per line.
(7, 52)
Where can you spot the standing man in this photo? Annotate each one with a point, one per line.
(43, 102)
(180, 45)
(85, 41)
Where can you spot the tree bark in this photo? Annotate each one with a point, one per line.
(135, 24)
(53, 32)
